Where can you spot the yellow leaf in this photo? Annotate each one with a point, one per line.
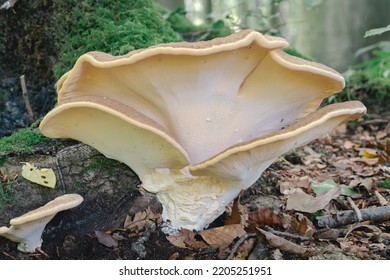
(44, 177)
(370, 153)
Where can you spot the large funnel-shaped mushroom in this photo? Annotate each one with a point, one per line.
(198, 122)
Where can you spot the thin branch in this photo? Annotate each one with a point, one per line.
(239, 243)
(374, 214)
(26, 99)
(286, 234)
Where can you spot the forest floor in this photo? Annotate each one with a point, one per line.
(327, 200)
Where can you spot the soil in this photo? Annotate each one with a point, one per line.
(97, 228)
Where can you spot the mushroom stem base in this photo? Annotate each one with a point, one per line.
(188, 201)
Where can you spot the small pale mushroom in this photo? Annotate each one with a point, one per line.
(28, 228)
(198, 122)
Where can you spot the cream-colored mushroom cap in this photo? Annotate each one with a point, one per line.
(27, 229)
(117, 131)
(208, 95)
(198, 122)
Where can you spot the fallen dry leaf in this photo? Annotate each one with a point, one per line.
(222, 237)
(360, 251)
(186, 239)
(277, 255)
(327, 234)
(265, 216)
(382, 201)
(301, 201)
(239, 213)
(305, 226)
(44, 176)
(331, 252)
(348, 145)
(304, 182)
(245, 249)
(106, 239)
(174, 256)
(286, 187)
(118, 236)
(369, 153)
(140, 219)
(367, 183)
(384, 236)
(283, 244)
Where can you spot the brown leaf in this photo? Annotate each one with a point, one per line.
(304, 182)
(222, 237)
(245, 249)
(265, 216)
(118, 236)
(277, 255)
(327, 234)
(283, 244)
(174, 256)
(301, 201)
(382, 201)
(235, 217)
(348, 145)
(299, 224)
(140, 219)
(186, 239)
(384, 236)
(360, 251)
(380, 135)
(286, 187)
(106, 239)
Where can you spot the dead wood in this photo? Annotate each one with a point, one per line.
(374, 214)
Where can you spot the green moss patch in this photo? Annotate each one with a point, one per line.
(6, 195)
(21, 141)
(112, 27)
(101, 162)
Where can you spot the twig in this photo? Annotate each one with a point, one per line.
(375, 214)
(286, 234)
(9, 255)
(39, 250)
(355, 208)
(26, 99)
(239, 243)
(382, 201)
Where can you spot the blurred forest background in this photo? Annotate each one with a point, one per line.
(331, 31)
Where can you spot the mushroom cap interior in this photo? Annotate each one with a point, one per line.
(58, 204)
(208, 95)
(235, 162)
